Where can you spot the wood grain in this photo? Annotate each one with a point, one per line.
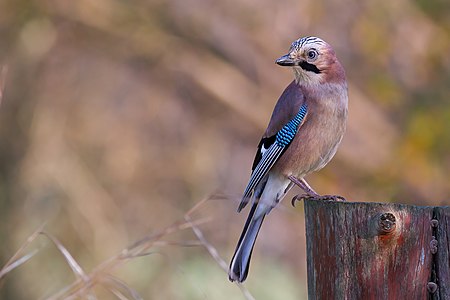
(442, 257)
(376, 250)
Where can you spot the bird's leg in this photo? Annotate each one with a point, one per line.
(304, 186)
(310, 193)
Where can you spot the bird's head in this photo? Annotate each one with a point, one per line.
(313, 61)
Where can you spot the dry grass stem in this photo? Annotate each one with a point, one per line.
(3, 72)
(76, 268)
(101, 274)
(85, 282)
(15, 261)
(215, 255)
(8, 268)
(117, 285)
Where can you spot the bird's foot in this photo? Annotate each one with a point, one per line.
(317, 197)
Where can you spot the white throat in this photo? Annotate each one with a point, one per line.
(305, 77)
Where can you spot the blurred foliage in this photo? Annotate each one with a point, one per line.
(118, 116)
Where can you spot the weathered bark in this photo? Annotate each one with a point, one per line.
(377, 251)
(442, 257)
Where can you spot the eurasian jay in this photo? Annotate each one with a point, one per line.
(304, 132)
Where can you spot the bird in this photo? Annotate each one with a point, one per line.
(304, 132)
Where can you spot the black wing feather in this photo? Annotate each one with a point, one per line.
(266, 142)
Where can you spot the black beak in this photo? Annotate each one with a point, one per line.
(285, 61)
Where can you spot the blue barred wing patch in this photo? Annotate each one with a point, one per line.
(287, 133)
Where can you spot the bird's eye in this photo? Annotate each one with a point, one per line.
(312, 54)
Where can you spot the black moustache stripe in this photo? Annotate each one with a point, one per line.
(309, 67)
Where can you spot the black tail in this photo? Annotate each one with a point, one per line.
(241, 259)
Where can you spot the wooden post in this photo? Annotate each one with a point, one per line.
(377, 251)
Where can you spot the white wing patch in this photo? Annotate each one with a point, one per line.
(263, 150)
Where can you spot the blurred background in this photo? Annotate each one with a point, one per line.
(119, 116)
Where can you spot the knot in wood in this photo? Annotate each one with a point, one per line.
(432, 287)
(434, 223)
(386, 223)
